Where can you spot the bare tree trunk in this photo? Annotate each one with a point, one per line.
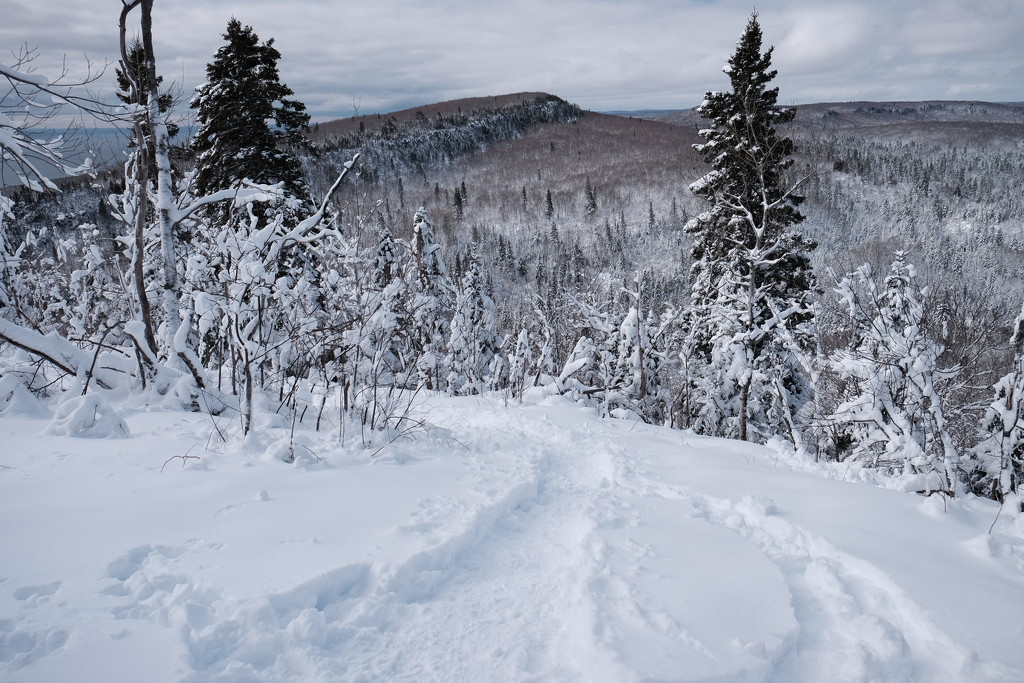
(139, 247)
(165, 190)
(744, 401)
(165, 204)
(141, 172)
(749, 349)
(247, 398)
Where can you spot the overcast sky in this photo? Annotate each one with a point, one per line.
(384, 55)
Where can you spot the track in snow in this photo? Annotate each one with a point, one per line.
(579, 572)
(553, 546)
(503, 597)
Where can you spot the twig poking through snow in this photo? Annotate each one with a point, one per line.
(184, 459)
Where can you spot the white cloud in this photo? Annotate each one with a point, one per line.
(825, 38)
(599, 53)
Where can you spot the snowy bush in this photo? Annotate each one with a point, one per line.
(891, 412)
(88, 416)
(999, 459)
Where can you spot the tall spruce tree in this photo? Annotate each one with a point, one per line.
(246, 120)
(751, 316)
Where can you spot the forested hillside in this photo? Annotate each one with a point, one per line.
(500, 243)
(936, 180)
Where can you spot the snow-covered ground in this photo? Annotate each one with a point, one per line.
(529, 542)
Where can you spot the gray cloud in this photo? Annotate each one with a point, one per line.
(601, 54)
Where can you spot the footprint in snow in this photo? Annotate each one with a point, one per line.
(37, 595)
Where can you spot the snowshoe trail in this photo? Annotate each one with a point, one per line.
(528, 543)
(571, 571)
(499, 589)
(854, 621)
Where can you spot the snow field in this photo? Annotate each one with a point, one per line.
(505, 543)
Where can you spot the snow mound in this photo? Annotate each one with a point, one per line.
(88, 416)
(16, 399)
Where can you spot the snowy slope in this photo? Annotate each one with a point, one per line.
(504, 543)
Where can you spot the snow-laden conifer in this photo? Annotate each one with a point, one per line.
(431, 303)
(519, 365)
(473, 343)
(751, 314)
(246, 119)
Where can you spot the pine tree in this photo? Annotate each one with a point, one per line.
(586, 373)
(387, 335)
(457, 204)
(245, 119)
(751, 315)
(519, 365)
(386, 259)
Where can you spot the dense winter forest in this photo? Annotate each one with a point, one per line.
(847, 278)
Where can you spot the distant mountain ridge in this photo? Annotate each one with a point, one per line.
(941, 117)
(373, 122)
(652, 114)
(864, 113)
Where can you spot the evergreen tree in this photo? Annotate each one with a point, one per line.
(386, 259)
(586, 373)
(473, 344)
(554, 237)
(457, 204)
(387, 335)
(633, 379)
(431, 291)
(674, 214)
(519, 365)
(751, 315)
(590, 198)
(245, 120)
